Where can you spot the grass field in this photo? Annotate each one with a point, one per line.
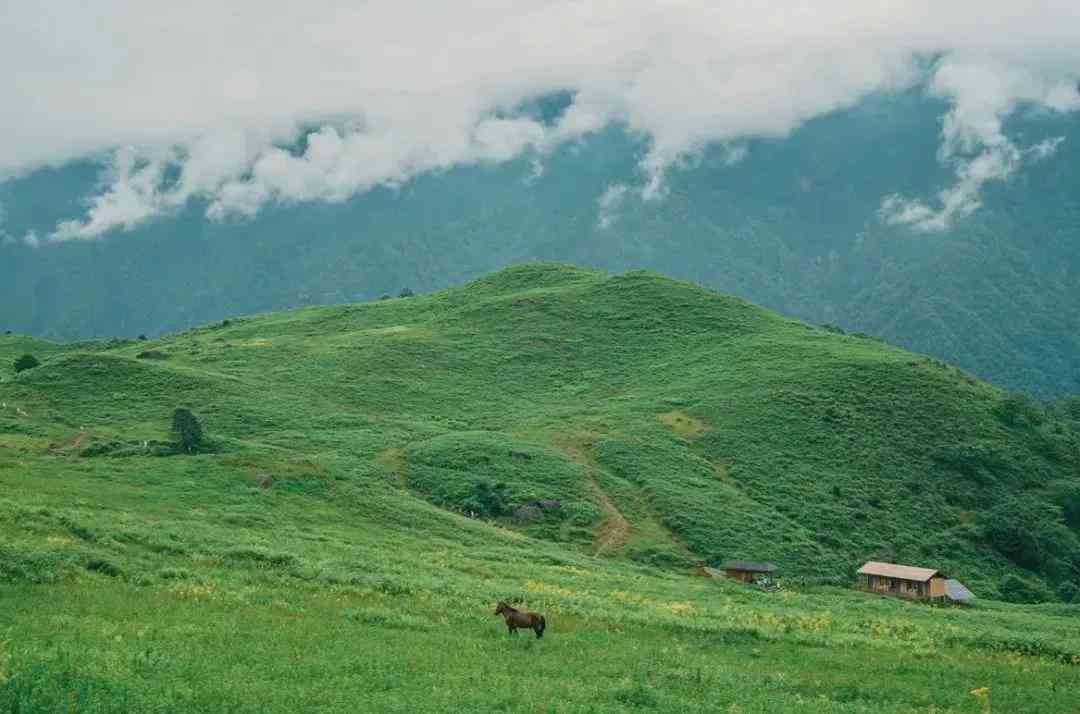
(369, 492)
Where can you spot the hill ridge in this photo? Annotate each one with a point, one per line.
(478, 387)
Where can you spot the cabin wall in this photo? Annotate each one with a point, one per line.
(897, 587)
(743, 575)
(937, 587)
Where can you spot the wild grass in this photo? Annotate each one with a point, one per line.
(319, 555)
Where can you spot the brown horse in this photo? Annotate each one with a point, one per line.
(516, 618)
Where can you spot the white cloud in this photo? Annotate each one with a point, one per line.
(1045, 148)
(610, 201)
(983, 94)
(387, 90)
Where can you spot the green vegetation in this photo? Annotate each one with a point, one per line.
(794, 227)
(187, 429)
(575, 442)
(25, 362)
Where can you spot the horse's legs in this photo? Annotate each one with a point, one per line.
(511, 630)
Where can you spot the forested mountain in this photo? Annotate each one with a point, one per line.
(794, 226)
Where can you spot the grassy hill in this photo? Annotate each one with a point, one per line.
(378, 474)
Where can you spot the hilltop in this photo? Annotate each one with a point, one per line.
(572, 438)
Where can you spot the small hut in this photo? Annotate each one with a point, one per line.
(748, 571)
(902, 581)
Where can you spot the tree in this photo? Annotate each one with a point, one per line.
(1029, 532)
(187, 429)
(26, 362)
(1014, 588)
(1071, 408)
(1020, 410)
(406, 292)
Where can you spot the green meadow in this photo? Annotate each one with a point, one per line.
(376, 476)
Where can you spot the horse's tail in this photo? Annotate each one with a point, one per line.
(543, 626)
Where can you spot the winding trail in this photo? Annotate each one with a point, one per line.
(615, 530)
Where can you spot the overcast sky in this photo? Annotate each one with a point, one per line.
(395, 89)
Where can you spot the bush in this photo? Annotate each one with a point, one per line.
(638, 696)
(19, 565)
(1069, 592)
(1072, 408)
(1029, 532)
(1066, 494)
(104, 567)
(1020, 410)
(1024, 590)
(488, 501)
(406, 292)
(262, 556)
(187, 429)
(26, 362)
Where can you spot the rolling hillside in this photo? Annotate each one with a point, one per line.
(378, 473)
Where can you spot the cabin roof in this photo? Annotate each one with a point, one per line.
(902, 572)
(750, 566)
(955, 591)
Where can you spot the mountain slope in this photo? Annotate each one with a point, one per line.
(794, 227)
(715, 429)
(378, 475)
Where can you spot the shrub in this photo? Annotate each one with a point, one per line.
(406, 292)
(638, 695)
(1066, 494)
(19, 565)
(26, 362)
(1069, 591)
(187, 429)
(1072, 408)
(1020, 410)
(488, 501)
(1023, 590)
(174, 574)
(1028, 532)
(262, 556)
(104, 567)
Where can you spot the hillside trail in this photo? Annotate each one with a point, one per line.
(615, 530)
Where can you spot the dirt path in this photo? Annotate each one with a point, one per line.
(614, 531)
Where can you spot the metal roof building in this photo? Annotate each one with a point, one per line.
(956, 592)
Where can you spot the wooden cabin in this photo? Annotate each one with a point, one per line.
(902, 581)
(748, 571)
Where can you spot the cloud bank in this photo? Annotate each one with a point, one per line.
(207, 100)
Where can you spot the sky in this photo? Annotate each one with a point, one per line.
(210, 100)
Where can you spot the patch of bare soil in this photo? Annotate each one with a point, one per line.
(682, 424)
(615, 530)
